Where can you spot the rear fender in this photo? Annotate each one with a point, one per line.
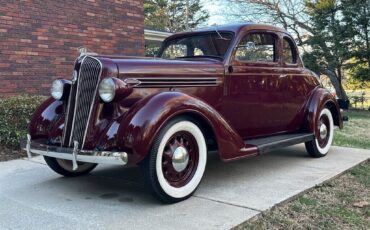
(320, 99)
(144, 120)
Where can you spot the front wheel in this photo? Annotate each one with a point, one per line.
(320, 146)
(65, 167)
(176, 162)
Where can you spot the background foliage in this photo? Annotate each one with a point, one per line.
(333, 35)
(15, 114)
(172, 15)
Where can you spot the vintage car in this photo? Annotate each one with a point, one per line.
(238, 90)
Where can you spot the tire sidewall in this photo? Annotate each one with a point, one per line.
(323, 151)
(190, 187)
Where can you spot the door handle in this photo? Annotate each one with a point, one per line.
(282, 76)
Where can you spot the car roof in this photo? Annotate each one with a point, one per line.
(235, 28)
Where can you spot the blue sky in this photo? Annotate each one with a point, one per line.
(238, 12)
(214, 11)
(217, 9)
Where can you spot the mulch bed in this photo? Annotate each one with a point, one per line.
(7, 154)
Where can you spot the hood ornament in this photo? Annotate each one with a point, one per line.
(85, 51)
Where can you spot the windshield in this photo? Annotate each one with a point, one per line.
(209, 45)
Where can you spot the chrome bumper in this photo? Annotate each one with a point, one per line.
(75, 155)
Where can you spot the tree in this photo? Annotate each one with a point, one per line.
(174, 15)
(329, 42)
(356, 15)
(289, 14)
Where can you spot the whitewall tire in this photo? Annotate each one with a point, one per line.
(320, 146)
(177, 160)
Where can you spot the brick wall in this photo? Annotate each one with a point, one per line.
(39, 38)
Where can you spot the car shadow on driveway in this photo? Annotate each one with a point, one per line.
(126, 184)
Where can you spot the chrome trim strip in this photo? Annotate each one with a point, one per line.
(172, 85)
(93, 102)
(177, 78)
(180, 82)
(177, 82)
(68, 107)
(76, 101)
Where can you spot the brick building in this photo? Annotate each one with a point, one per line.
(39, 38)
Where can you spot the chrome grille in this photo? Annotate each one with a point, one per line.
(81, 102)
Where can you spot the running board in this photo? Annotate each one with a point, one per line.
(267, 144)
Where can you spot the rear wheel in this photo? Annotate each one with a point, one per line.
(65, 167)
(320, 146)
(176, 162)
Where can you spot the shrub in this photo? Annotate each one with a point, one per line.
(15, 113)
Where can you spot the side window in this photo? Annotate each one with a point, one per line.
(175, 50)
(257, 47)
(289, 51)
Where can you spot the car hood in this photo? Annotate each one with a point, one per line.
(131, 67)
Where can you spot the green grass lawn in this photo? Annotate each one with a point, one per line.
(341, 203)
(356, 131)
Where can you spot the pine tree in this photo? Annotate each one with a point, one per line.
(330, 41)
(170, 15)
(356, 15)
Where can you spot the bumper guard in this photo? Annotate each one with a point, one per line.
(75, 154)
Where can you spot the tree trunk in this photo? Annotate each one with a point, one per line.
(339, 75)
(341, 93)
(367, 40)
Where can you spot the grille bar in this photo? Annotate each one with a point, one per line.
(81, 102)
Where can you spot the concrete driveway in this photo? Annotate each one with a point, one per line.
(34, 197)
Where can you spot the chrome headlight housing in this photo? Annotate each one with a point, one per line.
(57, 89)
(107, 89)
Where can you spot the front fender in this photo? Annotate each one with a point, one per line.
(47, 120)
(144, 120)
(322, 98)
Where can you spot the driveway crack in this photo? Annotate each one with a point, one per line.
(228, 203)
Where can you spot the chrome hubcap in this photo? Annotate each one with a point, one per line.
(180, 159)
(323, 131)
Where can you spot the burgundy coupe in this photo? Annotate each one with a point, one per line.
(240, 90)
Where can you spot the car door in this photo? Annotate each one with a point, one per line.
(298, 84)
(253, 98)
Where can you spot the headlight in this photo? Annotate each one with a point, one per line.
(107, 89)
(57, 89)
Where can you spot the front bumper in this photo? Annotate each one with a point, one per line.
(75, 154)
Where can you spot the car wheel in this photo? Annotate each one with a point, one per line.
(320, 146)
(65, 167)
(176, 162)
